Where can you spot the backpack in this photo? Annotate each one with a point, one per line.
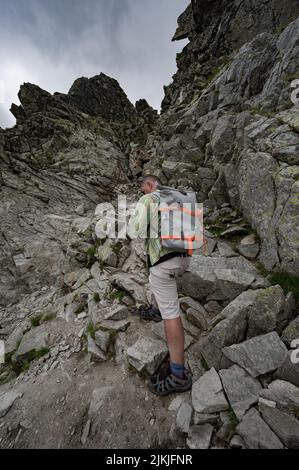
(181, 219)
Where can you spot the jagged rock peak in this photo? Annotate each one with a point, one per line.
(224, 24)
(145, 110)
(33, 99)
(102, 96)
(185, 24)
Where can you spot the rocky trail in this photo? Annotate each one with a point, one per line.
(77, 357)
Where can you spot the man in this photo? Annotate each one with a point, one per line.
(165, 266)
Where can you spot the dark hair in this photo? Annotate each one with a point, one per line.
(152, 179)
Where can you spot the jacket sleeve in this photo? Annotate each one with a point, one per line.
(138, 223)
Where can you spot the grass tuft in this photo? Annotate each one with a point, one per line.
(288, 282)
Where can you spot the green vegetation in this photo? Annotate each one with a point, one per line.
(90, 256)
(91, 330)
(118, 294)
(204, 363)
(288, 282)
(96, 297)
(23, 365)
(233, 420)
(261, 268)
(48, 317)
(38, 354)
(37, 320)
(292, 76)
(117, 247)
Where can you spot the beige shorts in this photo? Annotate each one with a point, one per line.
(163, 284)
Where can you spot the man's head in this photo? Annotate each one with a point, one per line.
(149, 184)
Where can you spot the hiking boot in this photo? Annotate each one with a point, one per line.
(165, 382)
(149, 313)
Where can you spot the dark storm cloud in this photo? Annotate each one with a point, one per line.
(53, 42)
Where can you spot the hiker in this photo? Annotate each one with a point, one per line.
(164, 267)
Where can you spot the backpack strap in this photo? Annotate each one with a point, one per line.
(157, 194)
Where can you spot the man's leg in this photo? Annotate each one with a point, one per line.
(175, 337)
(164, 290)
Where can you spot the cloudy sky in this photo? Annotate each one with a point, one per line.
(53, 42)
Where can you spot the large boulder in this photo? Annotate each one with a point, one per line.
(256, 432)
(284, 395)
(258, 355)
(241, 389)
(34, 341)
(286, 427)
(218, 278)
(252, 313)
(289, 369)
(291, 332)
(147, 354)
(208, 395)
(7, 399)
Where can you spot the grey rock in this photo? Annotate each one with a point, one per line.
(291, 332)
(147, 354)
(241, 389)
(252, 313)
(197, 318)
(13, 340)
(184, 417)
(86, 432)
(226, 250)
(289, 370)
(189, 327)
(101, 96)
(95, 352)
(286, 427)
(284, 394)
(213, 307)
(6, 401)
(237, 442)
(176, 403)
(99, 398)
(219, 278)
(118, 312)
(106, 254)
(250, 251)
(208, 395)
(77, 278)
(206, 418)
(234, 230)
(225, 433)
(256, 433)
(102, 340)
(130, 284)
(200, 436)
(189, 302)
(258, 355)
(121, 325)
(34, 340)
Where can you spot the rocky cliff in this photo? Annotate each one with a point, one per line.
(76, 355)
